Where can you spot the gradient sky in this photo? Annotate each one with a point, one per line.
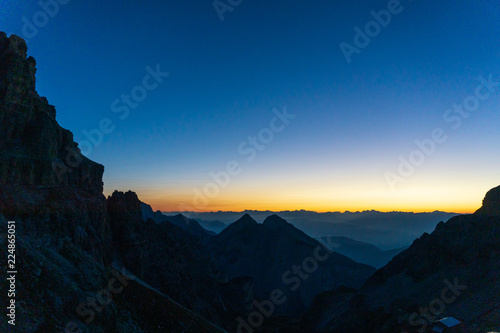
(352, 122)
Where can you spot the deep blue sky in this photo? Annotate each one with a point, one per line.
(353, 120)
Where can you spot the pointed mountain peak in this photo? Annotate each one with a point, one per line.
(274, 221)
(246, 219)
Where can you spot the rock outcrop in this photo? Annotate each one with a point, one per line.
(54, 194)
(172, 261)
(491, 203)
(46, 182)
(64, 238)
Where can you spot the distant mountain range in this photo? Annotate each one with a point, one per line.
(87, 263)
(452, 272)
(361, 252)
(387, 231)
(191, 226)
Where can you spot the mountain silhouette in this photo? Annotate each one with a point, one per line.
(112, 264)
(268, 253)
(454, 271)
(69, 238)
(189, 225)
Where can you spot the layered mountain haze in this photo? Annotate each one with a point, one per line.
(451, 272)
(361, 252)
(386, 230)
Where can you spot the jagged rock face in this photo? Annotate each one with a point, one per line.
(125, 214)
(172, 261)
(491, 203)
(46, 182)
(17, 87)
(268, 253)
(63, 233)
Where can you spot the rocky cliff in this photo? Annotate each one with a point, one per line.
(164, 255)
(64, 236)
(46, 182)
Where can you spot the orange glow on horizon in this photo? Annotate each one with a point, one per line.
(318, 198)
(165, 205)
(229, 208)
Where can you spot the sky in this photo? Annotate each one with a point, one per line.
(282, 105)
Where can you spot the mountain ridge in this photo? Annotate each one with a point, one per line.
(65, 239)
(385, 230)
(267, 251)
(69, 235)
(461, 255)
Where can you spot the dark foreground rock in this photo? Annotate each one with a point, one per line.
(64, 236)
